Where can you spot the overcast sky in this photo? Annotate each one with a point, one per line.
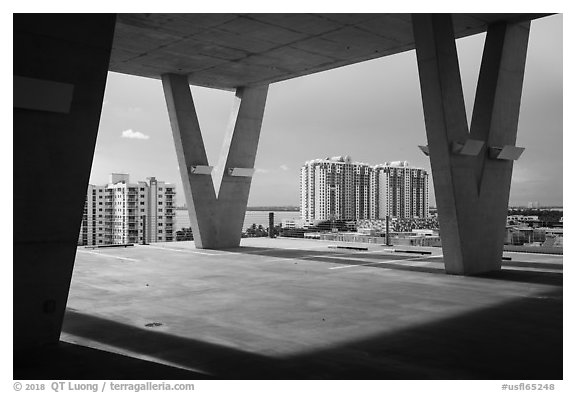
(371, 111)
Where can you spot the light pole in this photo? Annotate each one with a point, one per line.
(144, 230)
(388, 230)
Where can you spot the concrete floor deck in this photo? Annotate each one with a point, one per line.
(299, 309)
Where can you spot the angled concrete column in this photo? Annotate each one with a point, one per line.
(216, 214)
(472, 184)
(60, 69)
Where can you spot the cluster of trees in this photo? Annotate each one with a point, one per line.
(184, 234)
(407, 224)
(324, 226)
(255, 231)
(259, 231)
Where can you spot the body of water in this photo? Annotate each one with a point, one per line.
(252, 217)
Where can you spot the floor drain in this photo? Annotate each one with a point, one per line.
(153, 324)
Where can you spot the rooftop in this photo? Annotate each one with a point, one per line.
(299, 309)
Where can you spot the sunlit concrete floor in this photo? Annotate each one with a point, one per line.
(302, 309)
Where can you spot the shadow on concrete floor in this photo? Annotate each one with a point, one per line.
(533, 265)
(69, 362)
(521, 339)
(526, 276)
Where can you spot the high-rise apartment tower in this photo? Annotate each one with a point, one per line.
(338, 189)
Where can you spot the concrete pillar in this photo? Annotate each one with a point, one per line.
(60, 69)
(472, 189)
(216, 214)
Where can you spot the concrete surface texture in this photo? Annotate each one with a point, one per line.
(284, 308)
(217, 202)
(472, 191)
(63, 59)
(231, 50)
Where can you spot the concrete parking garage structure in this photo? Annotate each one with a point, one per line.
(304, 309)
(60, 66)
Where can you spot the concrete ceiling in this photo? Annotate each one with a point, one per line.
(229, 50)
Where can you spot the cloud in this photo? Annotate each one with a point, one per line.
(260, 170)
(131, 134)
(284, 167)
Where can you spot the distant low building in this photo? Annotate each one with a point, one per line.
(523, 235)
(522, 218)
(291, 223)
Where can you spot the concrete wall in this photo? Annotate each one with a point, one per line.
(60, 69)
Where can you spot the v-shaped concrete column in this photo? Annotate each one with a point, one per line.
(216, 214)
(471, 176)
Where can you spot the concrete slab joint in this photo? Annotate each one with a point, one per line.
(472, 168)
(216, 203)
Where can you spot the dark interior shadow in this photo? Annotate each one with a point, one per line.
(67, 361)
(520, 339)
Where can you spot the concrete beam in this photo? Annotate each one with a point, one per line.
(216, 213)
(472, 191)
(63, 61)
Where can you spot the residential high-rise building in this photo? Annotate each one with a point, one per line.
(122, 212)
(400, 191)
(328, 189)
(337, 188)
